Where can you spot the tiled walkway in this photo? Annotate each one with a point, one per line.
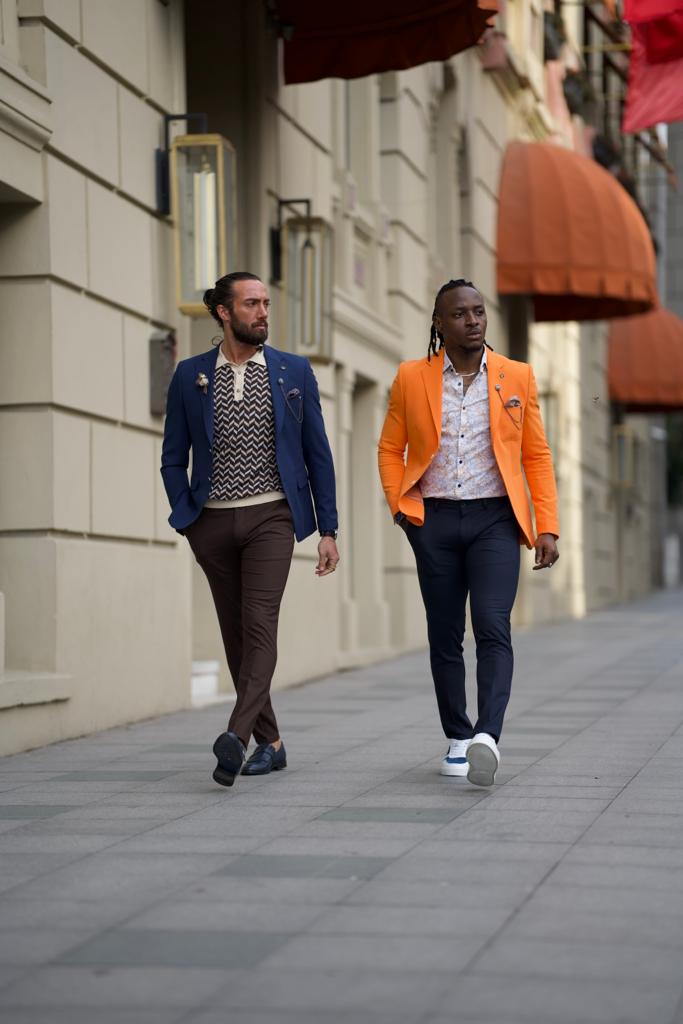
(359, 885)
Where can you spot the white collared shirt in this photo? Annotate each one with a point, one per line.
(464, 466)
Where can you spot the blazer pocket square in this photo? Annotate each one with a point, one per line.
(513, 403)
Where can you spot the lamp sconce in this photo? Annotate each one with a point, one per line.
(162, 158)
(204, 208)
(301, 257)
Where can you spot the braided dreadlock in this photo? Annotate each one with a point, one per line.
(436, 337)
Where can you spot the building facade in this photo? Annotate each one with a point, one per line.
(105, 612)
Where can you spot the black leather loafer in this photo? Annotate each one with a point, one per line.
(266, 759)
(230, 755)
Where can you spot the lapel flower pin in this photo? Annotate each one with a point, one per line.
(202, 382)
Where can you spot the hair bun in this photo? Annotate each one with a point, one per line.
(209, 297)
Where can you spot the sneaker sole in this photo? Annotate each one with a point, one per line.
(456, 771)
(483, 765)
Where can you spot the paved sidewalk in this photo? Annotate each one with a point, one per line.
(360, 886)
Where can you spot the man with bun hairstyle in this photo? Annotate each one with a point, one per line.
(462, 425)
(262, 474)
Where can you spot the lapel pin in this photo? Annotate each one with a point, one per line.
(280, 380)
(501, 375)
(497, 387)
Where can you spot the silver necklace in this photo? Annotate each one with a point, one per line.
(473, 374)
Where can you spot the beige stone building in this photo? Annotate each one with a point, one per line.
(104, 611)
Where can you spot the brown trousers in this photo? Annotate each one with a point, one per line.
(246, 554)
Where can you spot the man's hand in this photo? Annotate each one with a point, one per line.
(546, 551)
(328, 556)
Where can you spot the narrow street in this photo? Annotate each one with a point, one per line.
(359, 885)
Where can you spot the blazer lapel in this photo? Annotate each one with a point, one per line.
(207, 364)
(432, 376)
(277, 375)
(496, 387)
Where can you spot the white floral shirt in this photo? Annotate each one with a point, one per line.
(464, 467)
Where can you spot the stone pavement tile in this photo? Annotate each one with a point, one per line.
(559, 804)
(24, 811)
(338, 845)
(524, 788)
(150, 842)
(372, 830)
(646, 931)
(223, 888)
(393, 815)
(446, 922)
(457, 796)
(242, 819)
(112, 775)
(640, 877)
(365, 953)
(511, 954)
(243, 917)
(607, 899)
(320, 1016)
(64, 913)
(558, 1000)
(74, 1015)
(300, 989)
(29, 946)
(475, 851)
(649, 801)
(257, 865)
(545, 775)
(413, 867)
(454, 894)
(509, 825)
(175, 947)
(637, 829)
(652, 856)
(124, 987)
(111, 875)
(24, 840)
(66, 826)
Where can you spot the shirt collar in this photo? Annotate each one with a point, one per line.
(258, 357)
(448, 365)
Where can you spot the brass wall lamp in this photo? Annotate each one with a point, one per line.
(301, 258)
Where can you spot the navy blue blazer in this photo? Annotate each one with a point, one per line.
(302, 450)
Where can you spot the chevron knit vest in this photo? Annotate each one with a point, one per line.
(243, 462)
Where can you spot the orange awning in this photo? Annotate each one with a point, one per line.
(357, 38)
(645, 365)
(571, 237)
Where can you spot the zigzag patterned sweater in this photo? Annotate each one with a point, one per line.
(244, 461)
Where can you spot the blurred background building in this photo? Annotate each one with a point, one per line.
(148, 146)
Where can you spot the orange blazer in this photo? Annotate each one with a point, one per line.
(414, 420)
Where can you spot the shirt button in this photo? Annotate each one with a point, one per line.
(462, 435)
(459, 485)
(461, 462)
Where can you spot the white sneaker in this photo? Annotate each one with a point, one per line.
(454, 761)
(483, 759)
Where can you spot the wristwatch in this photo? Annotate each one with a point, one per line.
(399, 517)
(329, 533)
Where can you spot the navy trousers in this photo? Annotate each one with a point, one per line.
(468, 547)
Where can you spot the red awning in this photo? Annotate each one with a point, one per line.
(570, 237)
(645, 365)
(357, 38)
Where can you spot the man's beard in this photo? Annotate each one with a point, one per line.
(245, 334)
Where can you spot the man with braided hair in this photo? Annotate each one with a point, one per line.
(459, 424)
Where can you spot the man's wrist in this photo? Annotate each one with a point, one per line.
(328, 533)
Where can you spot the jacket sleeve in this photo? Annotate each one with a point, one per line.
(537, 461)
(317, 455)
(175, 452)
(392, 445)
